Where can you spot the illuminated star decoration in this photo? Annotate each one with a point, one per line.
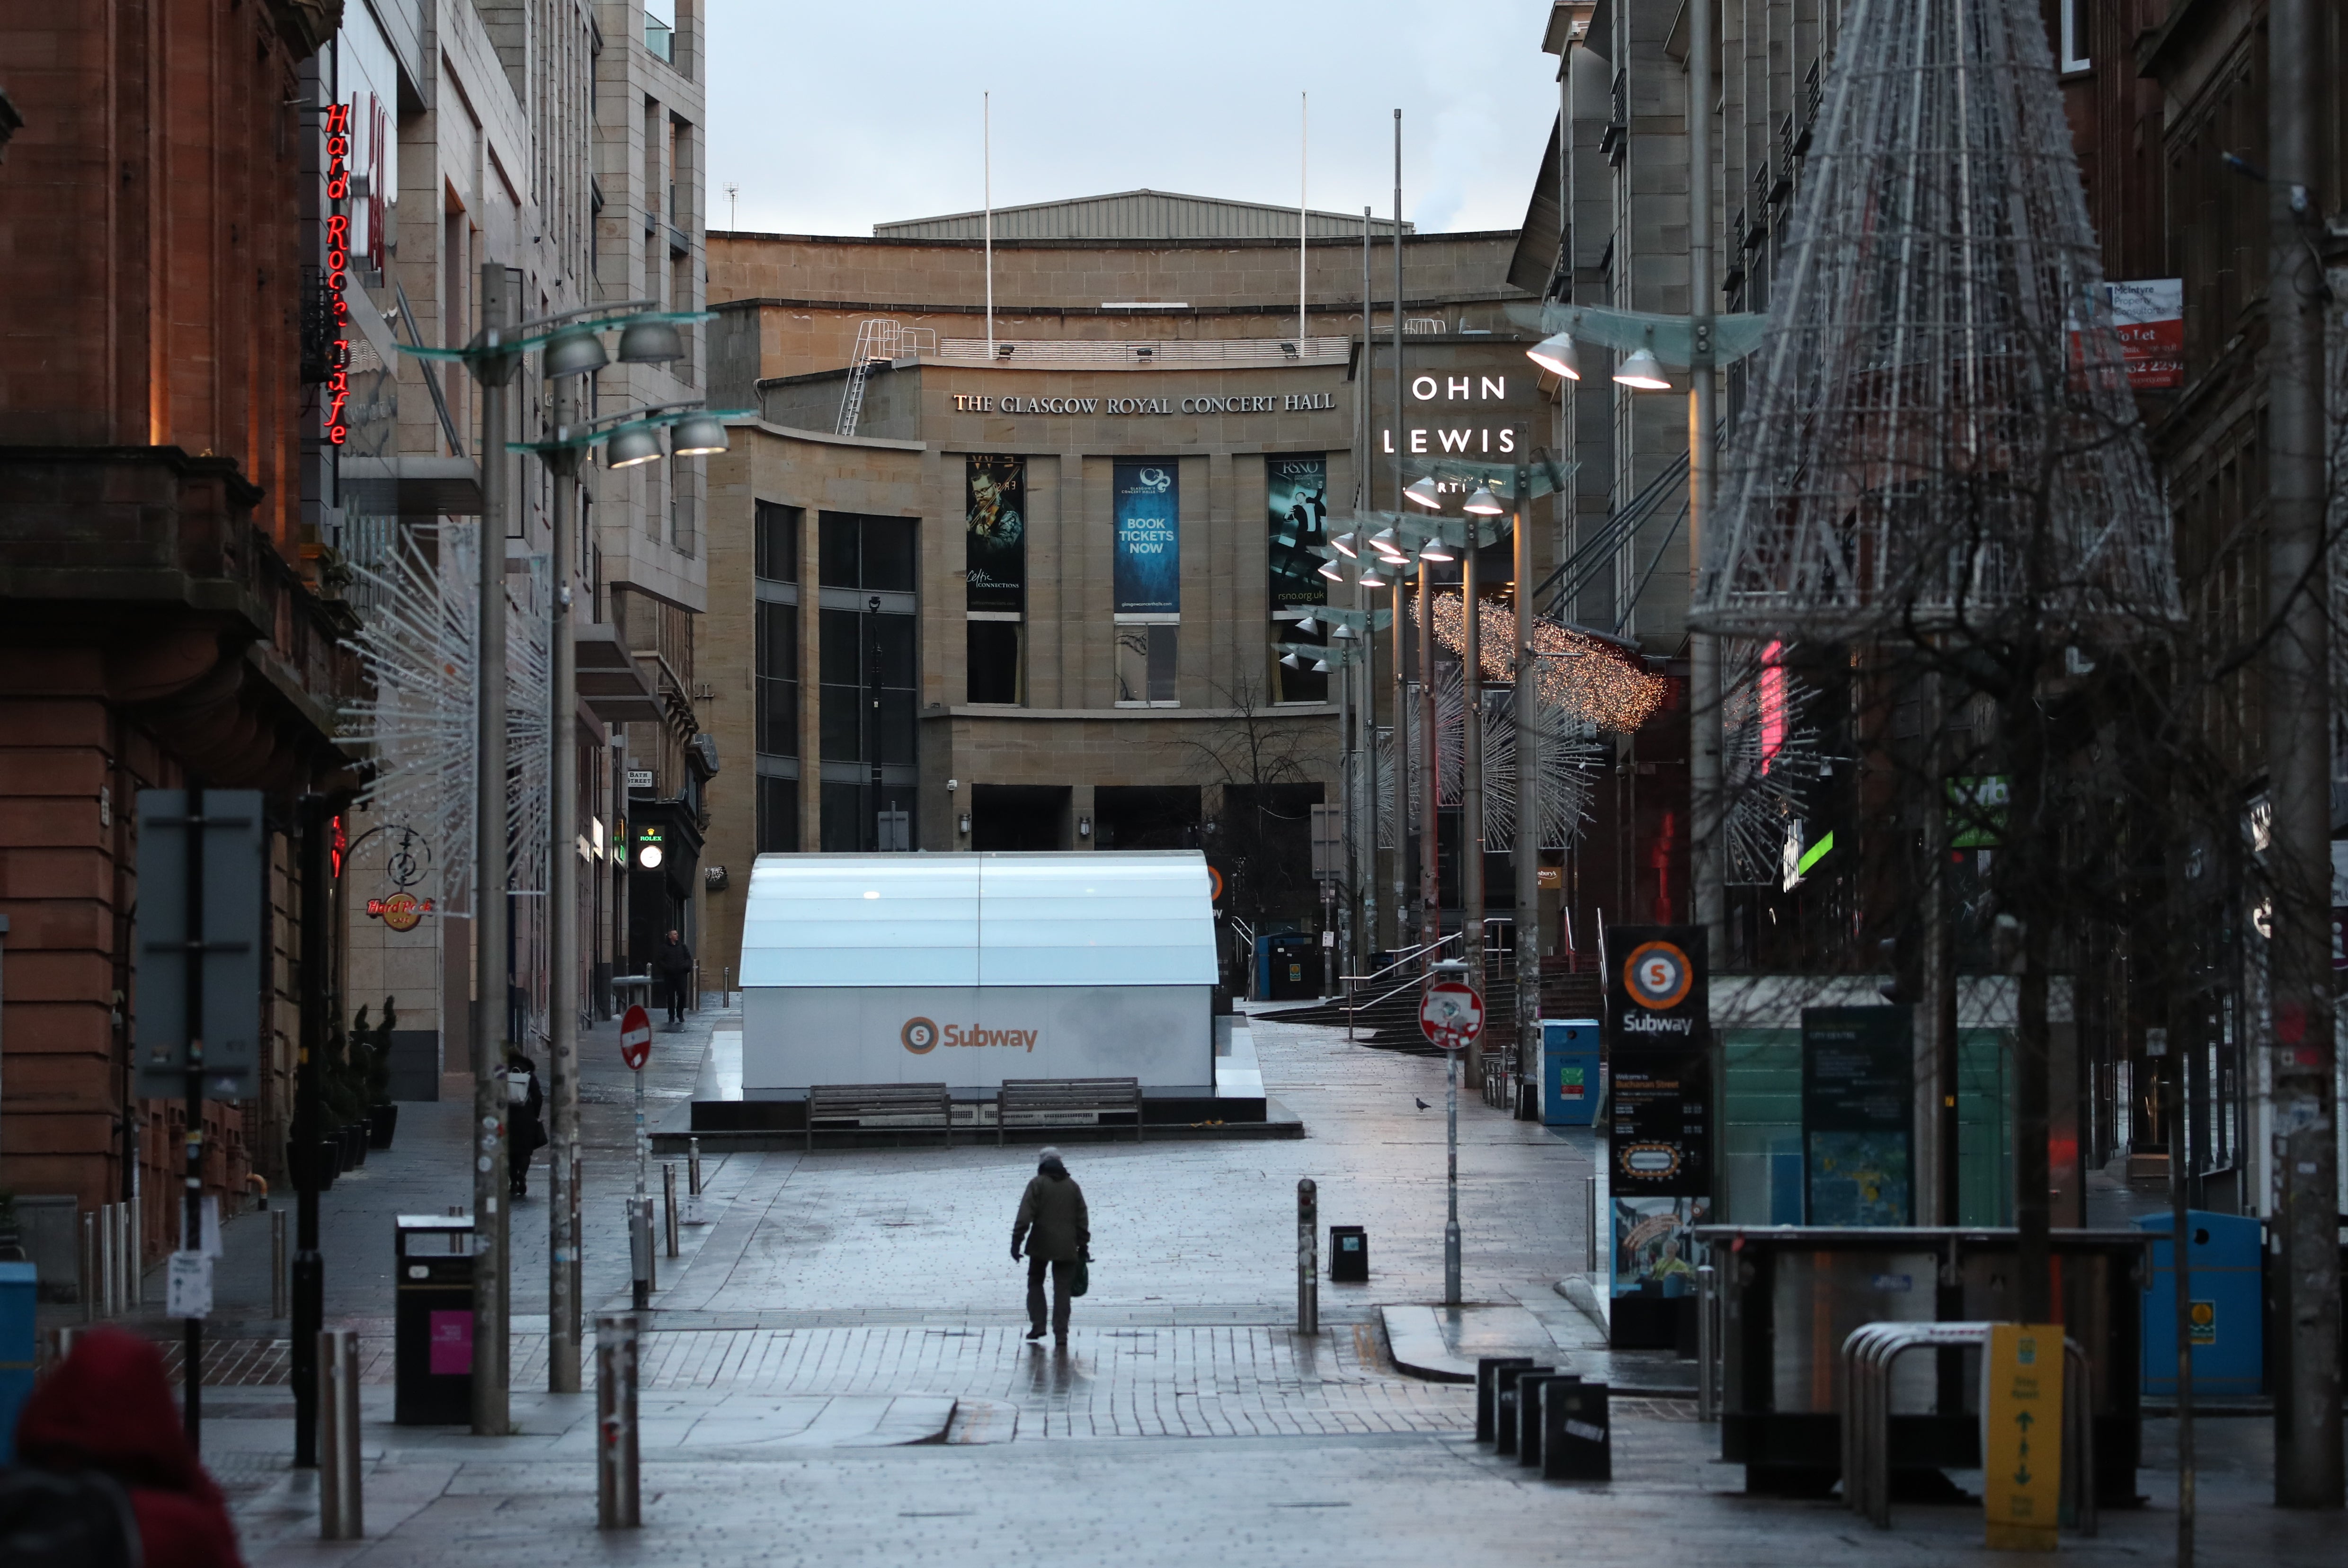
(1588, 679)
(1768, 756)
(418, 652)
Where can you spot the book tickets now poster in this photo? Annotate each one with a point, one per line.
(1297, 512)
(1147, 574)
(995, 549)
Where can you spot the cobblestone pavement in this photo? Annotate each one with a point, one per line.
(847, 1280)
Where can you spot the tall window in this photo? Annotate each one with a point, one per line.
(869, 674)
(775, 580)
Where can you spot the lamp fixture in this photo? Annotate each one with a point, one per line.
(965, 822)
(1383, 541)
(1329, 569)
(1004, 351)
(1292, 661)
(1308, 625)
(1555, 354)
(1487, 503)
(1643, 372)
(1084, 827)
(632, 446)
(1320, 667)
(1343, 631)
(1424, 492)
(697, 435)
(651, 343)
(579, 352)
(1435, 550)
(1370, 578)
(1342, 543)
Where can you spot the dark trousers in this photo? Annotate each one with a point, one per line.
(1060, 1271)
(676, 983)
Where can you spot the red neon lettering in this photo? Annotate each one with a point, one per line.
(338, 229)
(338, 118)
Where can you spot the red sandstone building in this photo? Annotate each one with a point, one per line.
(158, 620)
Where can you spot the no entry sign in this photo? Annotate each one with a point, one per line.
(1450, 1015)
(636, 1036)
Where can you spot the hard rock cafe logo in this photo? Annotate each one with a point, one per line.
(401, 911)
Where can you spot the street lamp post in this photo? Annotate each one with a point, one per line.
(573, 347)
(493, 368)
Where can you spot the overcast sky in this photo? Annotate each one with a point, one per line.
(831, 117)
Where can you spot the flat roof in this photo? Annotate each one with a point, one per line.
(1070, 917)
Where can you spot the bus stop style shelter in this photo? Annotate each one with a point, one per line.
(966, 969)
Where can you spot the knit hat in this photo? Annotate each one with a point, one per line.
(1050, 1156)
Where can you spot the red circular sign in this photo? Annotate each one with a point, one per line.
(635, 1035)
(1450, 1015)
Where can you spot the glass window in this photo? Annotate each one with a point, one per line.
(777, 542)
(779, 816)
(778, 679)
(843, 826)
(994, 664)
(839, 549)
(890, 564)
(843, 686)
(1145, 664)
(1298, 683)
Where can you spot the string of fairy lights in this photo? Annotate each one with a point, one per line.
(1592, 680)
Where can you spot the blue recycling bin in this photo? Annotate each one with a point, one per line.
(2224, 1272)
(18, 1338)
(1568, 1071)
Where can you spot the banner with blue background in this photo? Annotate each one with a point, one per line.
(1149, 572)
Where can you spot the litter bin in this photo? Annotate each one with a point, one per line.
(1287, 967)
(2223, 1263)
(1349, 1256)
(1568, 1071)
(432, 1323)
(19, 1283)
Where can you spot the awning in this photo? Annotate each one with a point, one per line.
(419, 485)
(610, 682)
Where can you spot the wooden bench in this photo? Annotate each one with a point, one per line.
(1066, 1102)
(851, 1106)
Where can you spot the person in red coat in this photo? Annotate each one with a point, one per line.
(109, 1407)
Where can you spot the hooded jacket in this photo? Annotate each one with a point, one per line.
(109, 1407)
(1053, 1209)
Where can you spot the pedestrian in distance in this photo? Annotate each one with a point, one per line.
(1057, 1232)
(525, 1119)
(674, 964)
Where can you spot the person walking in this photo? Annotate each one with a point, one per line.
(1057, 1231)
(675, 962)
(525, 1118)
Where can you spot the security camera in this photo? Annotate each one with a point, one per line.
(953, 785)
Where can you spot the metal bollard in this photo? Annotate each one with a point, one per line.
(1707, 1345)
(1590, 1210)
(1308, 1258)
(640, 1251)
(693, 1166)
(109, 1251)
(619, 1501)
(668, 1207)
(341, 1515)
(90, 1271)
(277, 1278)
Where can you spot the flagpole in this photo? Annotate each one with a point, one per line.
(987, 160)
(1304, 146)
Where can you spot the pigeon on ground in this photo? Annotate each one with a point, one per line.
(1420, 1103)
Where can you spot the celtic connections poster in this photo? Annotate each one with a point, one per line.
(996, 552)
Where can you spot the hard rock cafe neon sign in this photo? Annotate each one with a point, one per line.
(338, 261)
